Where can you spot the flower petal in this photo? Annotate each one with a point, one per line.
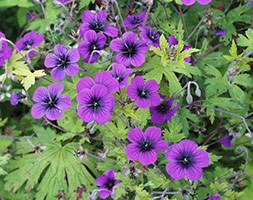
(135, 135)
(86, 82)
(64, 102)
(201, 157)
(72, 69)
(161, 145)
(153, 133)
(116, 45)
(194, 173)
(148, 157)
(111, 31)
(50, 61)
(40, 94)
(55, 89)
(132, 152)
(53, 113)
(58, 74)
(85, 114)
(101, 180)
(60, 50)
(38, 111)
(73, 55)
(175, 170)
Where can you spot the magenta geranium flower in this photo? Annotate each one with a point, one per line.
(15, 98)
(96, 104)
(89, 48)
(144, 146)
(130, 49)
(106, 183)
(104, 78)
(28, 41)
(50, 102)
(97, 22)
(214, 198)
(186, 160)
(150, 36)
(173, 41)
(121, 73)
(63, 62)
(164, 111)
(145, 93)
(5, 50)
(135, 20)
(191, 2)
(220, 32)
(228, 140)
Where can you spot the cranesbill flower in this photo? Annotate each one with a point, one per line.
(97, 23)
(121, 73)
(64, 1)
(191, 2)
(150, 36)
(131, 50)
(89, 48)
(63, 62)
(28, 41)
(145, 145)
(173, 41)
(145, 94)
(5, 51)
(220, 32)
(186, 160)
(228, 139)
(50, 102)
(164, 111)
(96, 104)
(106, 183)
(15, 98)
(135, 20)
(214, 198)
(104, 78)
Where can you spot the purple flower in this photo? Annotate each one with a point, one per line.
(145, 94)
(163, 111)
(96, 104)
(227, 140)
(186, 160)
(150, 36)
(88, 48)
(97, 23)
(64, 1)
(29, 41)
(103, 78)
(173, 41)
(15, 98)
(220, 32)
(63, 61)
(50, 102)
(121, 73)
(135, 20)
(106, 183)
(145, 145)
(214, 198)
(131, 50)
(5, 51)
(191, 2)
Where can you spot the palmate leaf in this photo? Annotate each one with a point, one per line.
(55, 170)
(246, 41)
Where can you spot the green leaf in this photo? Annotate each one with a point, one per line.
(3, 161)
(246, 41)
(244, 80)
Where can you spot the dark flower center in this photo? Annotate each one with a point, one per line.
(95, 104)
(136, 20)
(51, 102)
(93, 46)
(110, 183)
(143, 92)
(153, 37)
(63, 61)
(97, 26)
(186, 159)
(163, 108)
(119, 77)
(27, 44)
(146, 145)
(129, 49)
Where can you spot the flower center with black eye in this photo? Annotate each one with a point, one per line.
(129, 49)
(153, 37)
(93, 46)
(63, 61)
(95, 104)
(136, 20)
(146, 145)
(97, 26)
(186, 159)
(163, 108)
(119, 77)
(143, 92)
(27, 44)
(51, 101)
(110, 183)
